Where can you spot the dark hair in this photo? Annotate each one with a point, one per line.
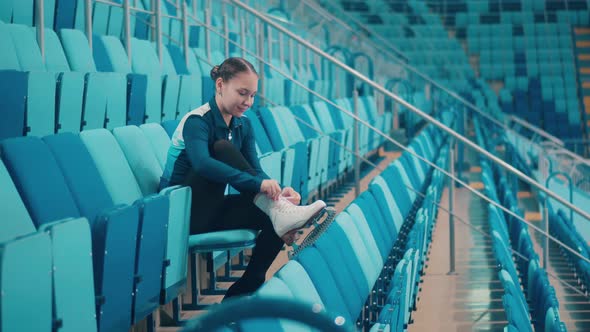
(230, 68)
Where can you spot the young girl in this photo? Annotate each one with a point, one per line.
(214, 146)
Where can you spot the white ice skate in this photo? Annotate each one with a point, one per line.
(287, 218)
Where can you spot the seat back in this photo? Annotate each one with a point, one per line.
(319, 273)
(55, 57)
(13, 93)
(22, 284)
(16, 220)
(112, 165)
(45, 194)
(77, 50)
(9, 56)
(159, 141)
(27, 49)
(140, 156)
(73, 281)
(369, 263)
(81, 175)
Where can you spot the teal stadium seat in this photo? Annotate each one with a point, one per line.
(105, 101)
(17, 221)
(56, 194)
(73, 282)
(21, 285)
(124, 189)
(110, 56)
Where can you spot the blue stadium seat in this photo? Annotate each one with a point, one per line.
(105, 93)
(65, 14)
(73, 282)
(40, 101)
(22, 12)
(299, 176)
(158, 139)
(110, 56)
(191, 80)
(154, 141)
(13, 87)
(326, 286)
(47, 197)
(121, 184)
(21, 285)
(141, 152)
(145, 61)
(52, 196)
(17, 221)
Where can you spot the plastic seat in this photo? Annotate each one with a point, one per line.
(121, 184)
(53, 196)
(14, 86)
(21, 285)
(16, 221)
(319, 272)
(105, 94)
(145, 167)
(162, 93)
(73, 282)
(370, 263)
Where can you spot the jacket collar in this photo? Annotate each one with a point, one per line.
(218, 118)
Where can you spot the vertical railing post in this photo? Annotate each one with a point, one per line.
(281, 51)
(88, 8)
(243, 37)
(153, 27)
(395, 110)
(260, 46)
(127, 26)
(41, 27)
(300, 58)
(270, 41)
(208, 33)
(185, 33)
(310, 57)
(159, 28)
(291, 55)
(226, 34)
(357, 158)
(452, 207)
(462, 123)
(546, 237)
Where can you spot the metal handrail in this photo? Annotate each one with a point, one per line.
(419, 112)
(536, 130)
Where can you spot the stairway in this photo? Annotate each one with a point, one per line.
(582, 50)
(574, 308)
(470, 300)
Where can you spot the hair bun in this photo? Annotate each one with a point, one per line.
(214, 72)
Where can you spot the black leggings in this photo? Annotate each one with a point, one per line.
(212, 211)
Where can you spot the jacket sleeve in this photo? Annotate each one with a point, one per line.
(196, 140)
(249, 150)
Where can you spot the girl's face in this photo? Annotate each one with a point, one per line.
(237, 94)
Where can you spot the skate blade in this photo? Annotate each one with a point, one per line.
(293, 235)
(321, 223)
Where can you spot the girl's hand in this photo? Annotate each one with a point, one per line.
(271, 188)
(291, 195)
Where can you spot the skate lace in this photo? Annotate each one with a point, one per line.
(285, 206)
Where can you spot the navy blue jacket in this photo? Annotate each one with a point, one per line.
(191, 149)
